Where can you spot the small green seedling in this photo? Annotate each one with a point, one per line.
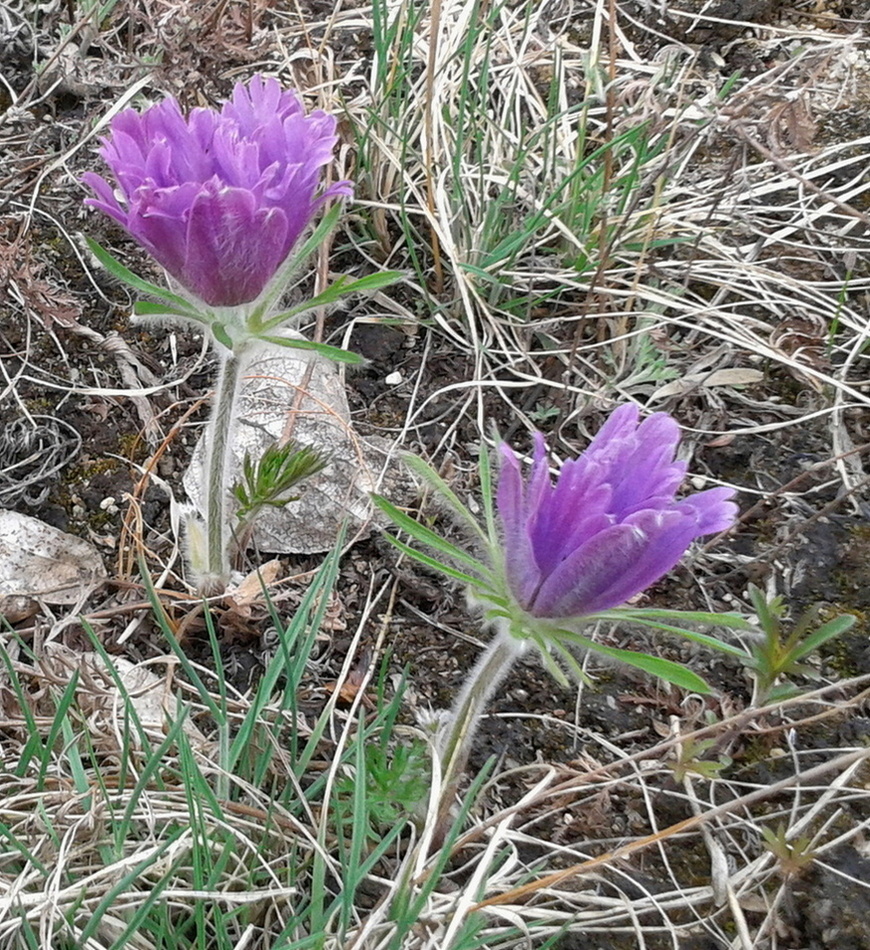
(396, 781)
(690, 759)
(266, 481)
(776, 656)
(793, 856)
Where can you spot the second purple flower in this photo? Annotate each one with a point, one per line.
(610, 525)
(219, 198)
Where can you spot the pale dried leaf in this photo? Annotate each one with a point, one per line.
(39, 562)
(738, 376)
(250, 590)
(103, 701)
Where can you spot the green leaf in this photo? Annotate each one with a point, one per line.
(436, 482)
(553, 667)
(424, 535)
(731, 621)
(769, 612)
(334, 353)
(779, 694)
(664, 669)
(219, 332)
(484, 469)
(434, 563)
(833, 628)
(703, 638)
(278, 284)
(145, 308)
(327, 223)
(567, 657)
(278, 469)
(117, 269)
(343, 286)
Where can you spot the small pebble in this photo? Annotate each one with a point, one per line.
(393, 379)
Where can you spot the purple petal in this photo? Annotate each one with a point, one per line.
(579, 585)
(233, 247)
(522, 572)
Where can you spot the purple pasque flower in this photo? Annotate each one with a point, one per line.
(218, 198)
(610, 525)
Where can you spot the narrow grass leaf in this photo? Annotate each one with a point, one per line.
(126, 881)
(409, 906)
(62, 709)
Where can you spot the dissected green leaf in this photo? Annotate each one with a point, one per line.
(264, 482)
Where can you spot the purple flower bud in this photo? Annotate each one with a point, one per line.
(219, 198)
(610, 526)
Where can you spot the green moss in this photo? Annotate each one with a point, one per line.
(132, 446)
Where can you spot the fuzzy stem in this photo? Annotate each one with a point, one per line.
(217, 462)
(489, 671)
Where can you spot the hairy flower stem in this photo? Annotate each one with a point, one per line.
(489, 671)
(217, 555)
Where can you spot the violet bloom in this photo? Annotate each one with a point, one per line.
(218, 198)
(610, 526)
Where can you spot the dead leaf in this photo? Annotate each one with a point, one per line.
(250, 590)
(103, 701)
(288, 393)
(737, 376)
(40, 562)
(720, 441)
